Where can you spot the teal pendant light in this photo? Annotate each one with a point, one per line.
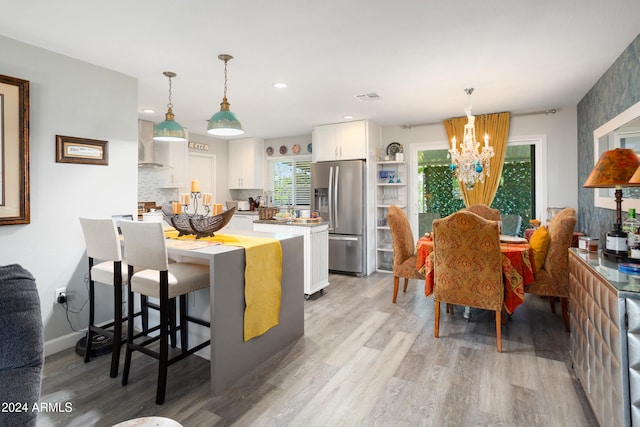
(224, 122)
(169, 130)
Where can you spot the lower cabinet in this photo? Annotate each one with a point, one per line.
(241, 222)
(316, 251)
(604, 342)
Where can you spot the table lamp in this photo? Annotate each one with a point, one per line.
(614, 169)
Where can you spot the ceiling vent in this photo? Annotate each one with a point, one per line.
(368, 97)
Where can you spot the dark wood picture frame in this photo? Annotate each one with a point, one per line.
(14, 151)
(70, 149)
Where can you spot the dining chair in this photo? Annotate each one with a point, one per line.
(484, 211)
(552, 279)
(511, 224)
(468, 265)
(404, 256)
(156, 277)
(425, 221)
(106, 266)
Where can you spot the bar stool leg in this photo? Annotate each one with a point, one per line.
(129, 349)
(184, 324)
(89, 338)
(165, 326)
(117, 319)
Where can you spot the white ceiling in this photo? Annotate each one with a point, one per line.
(418, 55)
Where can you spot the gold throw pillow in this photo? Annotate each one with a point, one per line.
(539, 242)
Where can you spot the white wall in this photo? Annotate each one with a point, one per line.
(562, 147)
(73, 98)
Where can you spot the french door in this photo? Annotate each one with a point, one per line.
(435, 192)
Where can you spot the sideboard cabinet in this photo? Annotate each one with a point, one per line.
(604, 309)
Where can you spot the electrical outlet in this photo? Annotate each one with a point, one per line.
(61, 296)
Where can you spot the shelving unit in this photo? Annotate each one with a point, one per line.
(391, 189)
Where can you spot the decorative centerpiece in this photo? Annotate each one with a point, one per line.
(187, 222)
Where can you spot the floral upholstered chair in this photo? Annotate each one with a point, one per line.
(468, 265)
(404, 257)
(552, 279)
(484, 211)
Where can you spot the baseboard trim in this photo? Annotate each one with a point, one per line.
(62, 343)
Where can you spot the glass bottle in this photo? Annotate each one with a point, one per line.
(630, 226)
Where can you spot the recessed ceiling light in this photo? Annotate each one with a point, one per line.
(348, 117)
(148, 111)
(280, 85)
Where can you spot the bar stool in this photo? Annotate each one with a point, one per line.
(157, 278)
(102, 241)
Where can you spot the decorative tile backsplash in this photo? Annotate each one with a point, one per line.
(617, 90)
(150, 185)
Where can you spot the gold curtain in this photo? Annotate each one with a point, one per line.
(497, 127)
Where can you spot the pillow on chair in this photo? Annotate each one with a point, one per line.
(539, 243)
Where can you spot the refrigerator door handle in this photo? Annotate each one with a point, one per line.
(335, 196)
(351, 239)
(330, 198)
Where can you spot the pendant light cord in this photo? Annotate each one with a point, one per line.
(225, 78)
(170, 104)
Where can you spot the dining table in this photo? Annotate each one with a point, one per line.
(517, 268)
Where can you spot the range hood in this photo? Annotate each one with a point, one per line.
(148, 155)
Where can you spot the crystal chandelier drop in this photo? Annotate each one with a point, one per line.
(470, 164)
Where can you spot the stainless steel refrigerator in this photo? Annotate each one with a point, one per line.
(338, 192)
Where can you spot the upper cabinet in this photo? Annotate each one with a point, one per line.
(245, 163)
(342, 141)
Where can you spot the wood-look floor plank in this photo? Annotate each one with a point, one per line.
(363, 396)
(337, 389)
(351, 344)
(363, 361)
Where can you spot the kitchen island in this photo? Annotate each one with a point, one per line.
(232, 357)
(316, 249)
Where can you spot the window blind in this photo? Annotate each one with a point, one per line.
(290, 180)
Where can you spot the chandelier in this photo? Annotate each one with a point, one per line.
(470, 164)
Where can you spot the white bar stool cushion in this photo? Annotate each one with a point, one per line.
(184, 277)
(103, 272)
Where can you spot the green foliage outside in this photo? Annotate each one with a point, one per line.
(440, 194)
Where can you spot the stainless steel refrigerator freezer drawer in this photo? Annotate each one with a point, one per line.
(345, 253)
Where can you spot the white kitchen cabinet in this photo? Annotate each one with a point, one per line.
(245, 163)
(343, 141)
(391, 189)
(316, 251)
(174, 155)
(241, 222)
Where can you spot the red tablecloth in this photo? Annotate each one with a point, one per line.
(517, 268)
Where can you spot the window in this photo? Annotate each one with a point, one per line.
(289, 180)
(439, 193)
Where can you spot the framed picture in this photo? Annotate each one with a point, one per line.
(81, 150)
(14, 151)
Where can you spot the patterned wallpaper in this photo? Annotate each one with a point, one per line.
(617, 90)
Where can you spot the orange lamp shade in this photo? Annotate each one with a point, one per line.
(635, 179)
(614, 169)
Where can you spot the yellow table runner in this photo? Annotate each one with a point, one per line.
(262, 278)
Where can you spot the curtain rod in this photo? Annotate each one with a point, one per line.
(534, 113)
